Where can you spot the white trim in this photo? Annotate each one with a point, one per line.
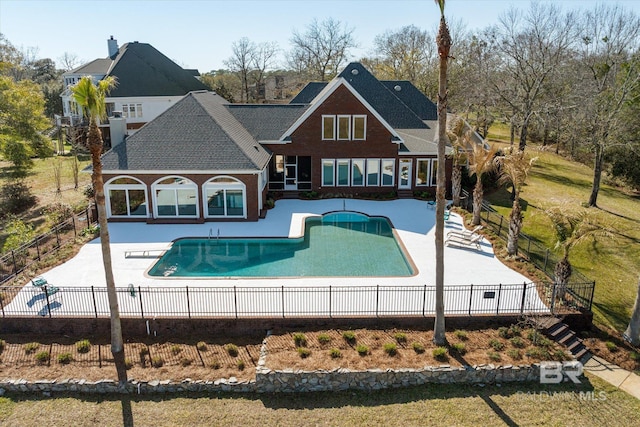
(188, 185)
(409, 183)
(126, 187)
(428, 175)
(324, 94)
(333, 130)
(353, 127)
(333, 177)
(338, 176)
(236, 185)
(348, 119)
(363, 170)
(392, 174)
(179, 172)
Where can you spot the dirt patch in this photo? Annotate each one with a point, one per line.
(209, 358)
(610, 346)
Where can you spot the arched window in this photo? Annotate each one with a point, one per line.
(225, 197)
(126, 197)
(175, 197)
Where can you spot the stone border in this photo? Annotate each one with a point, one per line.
(290, 381)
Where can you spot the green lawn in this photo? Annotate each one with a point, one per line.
(591, 403)
(612, 263)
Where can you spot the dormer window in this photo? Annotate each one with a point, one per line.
(344, 127)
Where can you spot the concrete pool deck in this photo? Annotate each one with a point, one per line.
(413, 220)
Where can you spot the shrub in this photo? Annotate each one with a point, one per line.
(515, 330)
(417, 347)
(19, 233)
(157, 362)
(440, 353)
(362, 349)
(128, 364)
(460, 334)
(15, 198)
(494, 356)
(503, 332)
(299, 339)
(517, 342)
(544, 342)
(390, 348)
(324, 338)
(560, 355)
(83, 346)
(534, 336)
(611, 346)
(349, 336)
(240, 364)
(303, 352)
(458, 348)
(143, 351)
(231, 349)
(57, 212)
(514, 353)
(65, 358)
(335, 353)
(185, 361)
(175, 349)
(400, 337)
(31, 347)
(634, 355)
(496, 345)
(201, 346)
(540, 353)
(42, 357)
(214, 364)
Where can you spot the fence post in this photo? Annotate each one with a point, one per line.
(15, 266)
(529, 247)
(188, 305)
(37, 247)
(57, 236)
(424, 299)
(330, 302)
(95, 306)
(546, 258)
(553, 299)
(524, 293)
(593, 288)
(46, 294)
(377, 298)
(500, 226)
(499, 292)
(73, 221)
(470, 298)
(235, 301)
(283, 301)
(2, 303)
(141, 307)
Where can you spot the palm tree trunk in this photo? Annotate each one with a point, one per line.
(632, 334)
(478, 193)
(456, 184)
(515, 225)
(117, 344)
(443, 41)
(562, 273)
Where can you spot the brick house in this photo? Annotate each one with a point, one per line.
(205, 159)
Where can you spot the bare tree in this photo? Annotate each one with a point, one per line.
(322, 49)
(244, 54)
(69, 61)
(531, 45)
(632, 333)
(263, 59)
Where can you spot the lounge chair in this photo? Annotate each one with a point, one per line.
(39, 282)
(446, 215)
(47, 288)
(465, 232)
(464, 241)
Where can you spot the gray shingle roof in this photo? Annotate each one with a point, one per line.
(97, 66)
(267, 122)
(141, 70)
(198, 133)
(412, 98)
(310, 91)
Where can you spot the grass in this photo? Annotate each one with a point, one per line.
(610, 262)
(433, 404)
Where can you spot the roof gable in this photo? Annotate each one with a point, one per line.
(196, 134)
(404, 90)
(141, 70)
(310, 91)
(267, 122)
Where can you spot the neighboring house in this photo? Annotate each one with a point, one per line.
(147, 84)
(205, 159)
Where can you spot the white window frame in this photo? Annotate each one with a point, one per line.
(126, 187)
(224, 186)
(359, 116)
(363, 169)
(433, 170)
(333, 174)
(346, 118)
(342, 162)
(188, 184)
(392, 174)
(333, 129)
(377, 162)
(427, 177)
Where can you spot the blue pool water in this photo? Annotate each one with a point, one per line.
(336, 244)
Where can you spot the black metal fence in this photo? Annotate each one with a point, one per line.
(283, 301)
(15, 261)
(580, 288)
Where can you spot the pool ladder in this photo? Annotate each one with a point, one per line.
(211, 233)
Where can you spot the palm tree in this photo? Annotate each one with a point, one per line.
(460, 138)
(514, 169)
(443, 40)
(91, 98)
(571, 227)
(481, 161)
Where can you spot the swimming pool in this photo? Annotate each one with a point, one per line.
(334, 245)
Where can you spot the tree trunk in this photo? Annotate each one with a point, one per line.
(512, 132)
(515, 225)
(117, 345)
(478, 193)
(524, 131)
(443, 41)
(632, 334)
(456, 184)
(562, 273)
(597, 175)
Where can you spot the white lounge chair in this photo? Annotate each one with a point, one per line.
(464, 232)
(462, 241)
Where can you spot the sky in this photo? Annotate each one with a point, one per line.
(200, 34)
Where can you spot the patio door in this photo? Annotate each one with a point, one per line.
(404, 174)
(291, 173)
